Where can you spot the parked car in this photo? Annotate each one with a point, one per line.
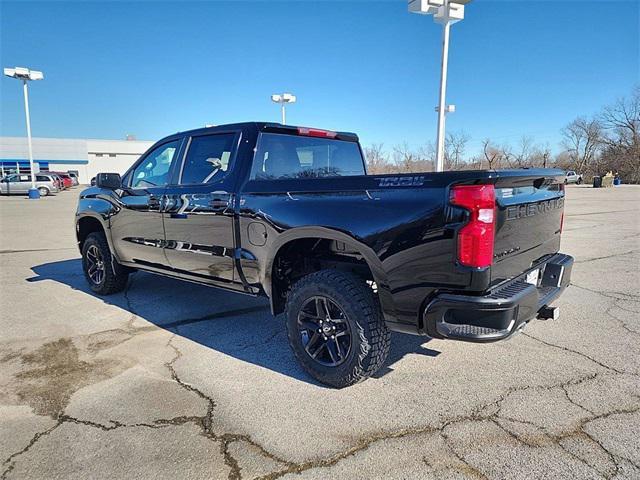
(74, 177)
(93, 181)
(573, 177)
(58, 181)
(21, 183)
(290, 213)
(66, 178)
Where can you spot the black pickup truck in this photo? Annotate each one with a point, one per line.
(290, 213)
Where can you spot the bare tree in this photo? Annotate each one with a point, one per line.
(408, 160)
(377, 159)
(583, 138)
(522, 155)
(492, 154)
(621, 122)
(404, 158)
(623, 119)
(546, 156)
(455, 148)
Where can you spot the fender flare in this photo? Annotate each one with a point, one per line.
(324, 233)
(101, 210)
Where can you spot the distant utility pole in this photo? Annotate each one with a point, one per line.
(283, 99)
(26, 75)
(445, 12)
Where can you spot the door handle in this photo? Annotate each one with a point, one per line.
(219, 203)
(154, 202)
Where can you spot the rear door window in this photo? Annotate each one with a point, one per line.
(208, 159)
(280, 156)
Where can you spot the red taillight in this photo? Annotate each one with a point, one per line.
(475, 239)
(316, 132)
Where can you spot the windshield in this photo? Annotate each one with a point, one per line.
(281, 156)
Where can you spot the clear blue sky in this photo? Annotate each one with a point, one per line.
(152, 68)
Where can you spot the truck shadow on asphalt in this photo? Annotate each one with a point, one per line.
(237, 325)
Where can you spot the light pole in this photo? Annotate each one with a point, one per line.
(283, 99)
(25, 75)
(445, 12)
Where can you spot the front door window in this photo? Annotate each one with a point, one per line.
(153, 171)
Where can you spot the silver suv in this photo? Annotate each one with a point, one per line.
(21, 183)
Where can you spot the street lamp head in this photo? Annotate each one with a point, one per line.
(288, 98)
(442, 10)
(284, 98)
(430, 7)
(23, 73)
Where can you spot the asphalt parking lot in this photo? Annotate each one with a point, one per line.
(174, 380)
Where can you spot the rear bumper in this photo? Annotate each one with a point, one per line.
(502, 311)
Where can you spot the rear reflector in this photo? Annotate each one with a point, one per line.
(476, 238)
(316, 132)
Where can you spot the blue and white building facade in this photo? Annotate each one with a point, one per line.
(86, 157)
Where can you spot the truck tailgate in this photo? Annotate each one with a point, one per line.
(529, 214)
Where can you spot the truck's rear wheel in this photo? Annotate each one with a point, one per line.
(336, 328)
(104, 275)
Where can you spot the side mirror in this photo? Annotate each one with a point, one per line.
(110, 181)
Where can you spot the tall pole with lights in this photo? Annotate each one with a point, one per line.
(283, 99)
(26, 75)
(445, 12)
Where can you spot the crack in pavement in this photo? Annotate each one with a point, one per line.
(598, 213)
(476, 415)
(576, 352)
(617, 297)
(10, 463)
(620, 321)
(205, 423)
(587, 260)
(628, 297)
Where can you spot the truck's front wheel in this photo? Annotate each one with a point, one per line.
(336, 328)
(104, 275)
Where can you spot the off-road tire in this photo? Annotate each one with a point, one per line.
(371, 339)
(115, 275)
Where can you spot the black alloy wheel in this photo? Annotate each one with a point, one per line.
(324, 331)
(104, 274)
(95, 265)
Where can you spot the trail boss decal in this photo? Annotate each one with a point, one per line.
(401, 181)
(522, 211)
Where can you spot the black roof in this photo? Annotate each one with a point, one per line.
(259, 126)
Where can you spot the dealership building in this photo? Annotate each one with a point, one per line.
(86, 157)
